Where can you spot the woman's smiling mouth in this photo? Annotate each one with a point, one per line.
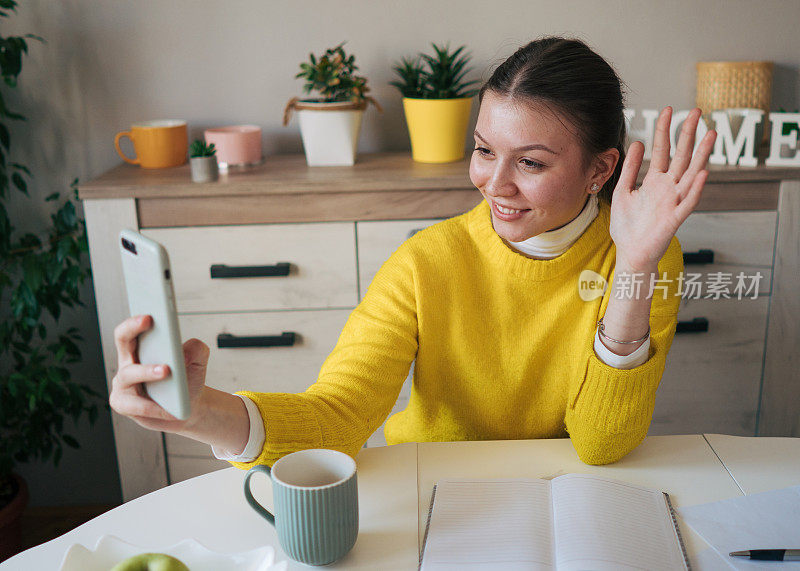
(507, 214)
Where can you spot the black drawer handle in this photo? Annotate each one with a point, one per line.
(699, 257)
(696, 325)
(228, 341)
(223, 271)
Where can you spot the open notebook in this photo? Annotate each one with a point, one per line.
(575, 521)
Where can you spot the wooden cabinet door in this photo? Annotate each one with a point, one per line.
(740, 242)
(712, 379)
(378, 240)
(285, 369)
(321, 258)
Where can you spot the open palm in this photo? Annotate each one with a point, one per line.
(644, 220)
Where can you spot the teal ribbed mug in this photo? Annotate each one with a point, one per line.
(315, 494)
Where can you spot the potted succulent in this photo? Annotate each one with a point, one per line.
(437, 101)
(203, 159)
(38, 273)
(330, 124)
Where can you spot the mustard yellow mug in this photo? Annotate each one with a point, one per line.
(158, 144)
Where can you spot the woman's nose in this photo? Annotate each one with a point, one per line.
(499, 183)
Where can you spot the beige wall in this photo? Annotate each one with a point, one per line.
(111, 62)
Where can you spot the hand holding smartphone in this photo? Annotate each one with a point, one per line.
(148, 282)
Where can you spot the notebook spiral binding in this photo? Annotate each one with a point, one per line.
(677, 531)
(427, 526)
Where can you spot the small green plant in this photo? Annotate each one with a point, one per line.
(438, 76)
(199, 148)
(412, 78)
(332, 75)
(38, 273)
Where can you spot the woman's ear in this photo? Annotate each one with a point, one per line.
(604, 165)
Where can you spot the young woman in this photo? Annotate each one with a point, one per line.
(489, 303)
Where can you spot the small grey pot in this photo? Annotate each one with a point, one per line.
(204, 169)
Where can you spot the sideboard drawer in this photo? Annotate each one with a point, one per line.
(287, 369)
(269, 369)
(321, 258)
(712, 379)
(277, 369)
(740, 242)
(378, 240)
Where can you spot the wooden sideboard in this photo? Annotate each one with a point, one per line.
(739, 374)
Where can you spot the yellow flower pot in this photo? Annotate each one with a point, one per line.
(438, 128)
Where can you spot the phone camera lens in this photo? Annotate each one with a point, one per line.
(128, 245)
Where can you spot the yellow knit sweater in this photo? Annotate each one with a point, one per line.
(503, 346)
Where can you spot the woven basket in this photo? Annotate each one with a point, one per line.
(734, 84)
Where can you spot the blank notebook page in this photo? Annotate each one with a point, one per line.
(609, 525)
(503, 525)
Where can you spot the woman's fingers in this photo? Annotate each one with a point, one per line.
(631, 166)
(135, 374)
(128, 396)
(683, 152)
(195, 352)
(165, 424)
(127, 392)
(692, 198)
(137, 406)
(660, 157)
(125, 337)
(700, 157)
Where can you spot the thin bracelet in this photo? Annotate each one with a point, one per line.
(601, 326)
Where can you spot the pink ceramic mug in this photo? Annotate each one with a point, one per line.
(236, 145)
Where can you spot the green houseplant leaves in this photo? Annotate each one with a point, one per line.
(38, 274)
(437, 76)
(199, 148)
(332, 75)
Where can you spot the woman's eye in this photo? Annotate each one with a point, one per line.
(531, 164)
(483, 150)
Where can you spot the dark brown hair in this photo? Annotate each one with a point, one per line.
(567, 77)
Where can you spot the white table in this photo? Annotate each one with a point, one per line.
(395, 484)
(212, 509)
(759, 464)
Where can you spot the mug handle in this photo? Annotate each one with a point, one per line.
(119, 150)
(261, 510)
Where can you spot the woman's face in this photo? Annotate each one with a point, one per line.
(529, 164)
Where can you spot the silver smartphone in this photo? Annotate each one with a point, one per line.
(148, 281)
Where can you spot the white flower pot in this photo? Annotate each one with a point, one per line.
(204, 169)
(330, 137)
(329, 129)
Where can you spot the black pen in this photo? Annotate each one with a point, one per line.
(769, 554)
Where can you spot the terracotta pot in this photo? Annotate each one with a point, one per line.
(10, 521)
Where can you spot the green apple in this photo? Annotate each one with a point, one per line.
(150, 562)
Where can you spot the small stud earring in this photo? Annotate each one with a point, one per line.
(595, 186)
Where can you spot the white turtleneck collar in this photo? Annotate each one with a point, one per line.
(555, 242)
